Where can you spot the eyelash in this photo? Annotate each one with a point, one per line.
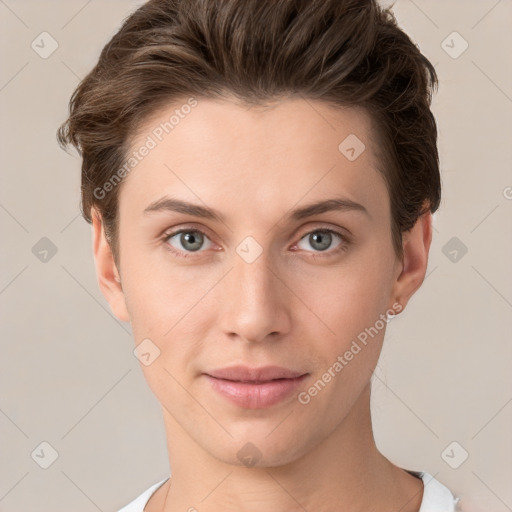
(342, 247)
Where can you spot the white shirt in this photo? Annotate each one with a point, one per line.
(436, 497)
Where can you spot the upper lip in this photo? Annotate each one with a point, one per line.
(264, 373)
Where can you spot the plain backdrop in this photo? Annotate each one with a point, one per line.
(72, 394)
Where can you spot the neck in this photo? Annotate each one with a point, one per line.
(345, 471)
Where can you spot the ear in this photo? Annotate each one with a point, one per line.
(411, 270)
(108, 276)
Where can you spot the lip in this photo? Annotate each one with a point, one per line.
(255, 388)
(264, 373)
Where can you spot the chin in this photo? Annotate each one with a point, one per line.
(259, 449)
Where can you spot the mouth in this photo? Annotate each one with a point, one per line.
(262, 374)
(255, 388)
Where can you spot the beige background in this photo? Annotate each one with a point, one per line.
(68, 376)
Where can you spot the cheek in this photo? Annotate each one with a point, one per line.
(159, 292)
(169, 305)
(351, 305)
(346, 299)
(164, 309)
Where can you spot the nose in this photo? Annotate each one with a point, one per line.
(255, 301)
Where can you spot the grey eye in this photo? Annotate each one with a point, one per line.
(320, 240)
(190, 240)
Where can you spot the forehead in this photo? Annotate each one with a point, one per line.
(299, 123)
(254, 157)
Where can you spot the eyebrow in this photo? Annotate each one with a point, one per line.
(334, 204)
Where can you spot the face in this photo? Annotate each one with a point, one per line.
(256, 283)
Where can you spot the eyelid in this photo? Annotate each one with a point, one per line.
(170, 232)
(342, 232)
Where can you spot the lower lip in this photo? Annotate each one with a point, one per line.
(255, 396)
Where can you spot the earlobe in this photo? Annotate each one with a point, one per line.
(416, 245)
(106, 270)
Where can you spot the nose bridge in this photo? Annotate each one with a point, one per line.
(256, 278)
(254, 305)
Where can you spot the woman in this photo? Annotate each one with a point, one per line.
(261, 178)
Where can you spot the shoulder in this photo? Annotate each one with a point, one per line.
(436, 496)
(138, 504)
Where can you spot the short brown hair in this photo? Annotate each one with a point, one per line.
(343, 52)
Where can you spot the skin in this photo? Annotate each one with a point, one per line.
(287, 308)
